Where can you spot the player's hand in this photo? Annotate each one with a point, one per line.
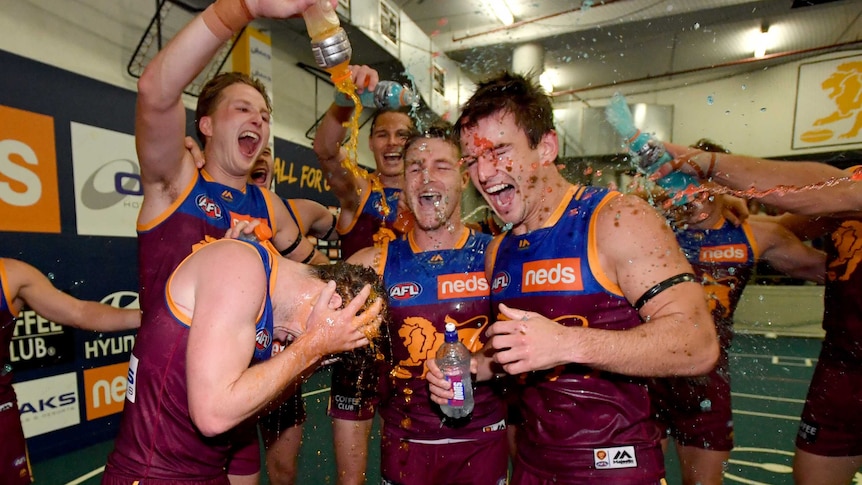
(364, 78)
(333, 330)
(734, 209)
(685, 159)
(527, 341)
(195, 151)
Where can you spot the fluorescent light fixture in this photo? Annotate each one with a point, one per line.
(547, 79)
(761, 41)
(502, 11)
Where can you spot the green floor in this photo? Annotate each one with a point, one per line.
(770, 379)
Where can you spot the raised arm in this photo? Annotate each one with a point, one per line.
(37, 292)
(787, 253)
(833, 193)
(160, 114)
(317, 219)
(328, 139)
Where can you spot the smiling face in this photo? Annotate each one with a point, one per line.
(262, 170)
(511, 176)
(433, 182)
(237, 129)
(388, 135)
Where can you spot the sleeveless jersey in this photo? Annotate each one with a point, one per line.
(204, 208)
(7, 329)
(428, 289)
(555, 271)
(842, 318)
(157, 438)
(369, 219)
(723, 259)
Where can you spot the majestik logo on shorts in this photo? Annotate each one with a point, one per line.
(619, 457)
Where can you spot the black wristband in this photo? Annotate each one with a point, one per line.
(332, 228)
(658, 288)
(293, 246)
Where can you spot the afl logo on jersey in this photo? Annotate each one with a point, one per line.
(501, 282)
(405, 291)
(263, 339)
(208, 206)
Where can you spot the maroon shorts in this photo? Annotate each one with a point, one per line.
(831, 424)
(110, 477)
(478, 462)
(245, 454)
(625, 465)
(14, 463)
(354, 385)
(696, 411)
(290, 413)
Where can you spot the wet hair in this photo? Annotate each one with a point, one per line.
(708, 145)
(350, 279)
(514, 94)
(211, 94)
(440, 130)
(405, 110)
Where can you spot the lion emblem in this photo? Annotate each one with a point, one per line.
(421, 339)
(845, 90)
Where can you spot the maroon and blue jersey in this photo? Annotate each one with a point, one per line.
(7, 329)
(427, 290)
(204, 208)
(842, 318)
(374, 212)
(578, 422)
(157, 438)
(723, 258)
(697, 410)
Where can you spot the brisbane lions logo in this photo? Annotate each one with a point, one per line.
(718, 293)
(848, 244)
(845, 90)
(422, 340)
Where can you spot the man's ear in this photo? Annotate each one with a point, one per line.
(335, 302)
(549, 147)
(205, 124)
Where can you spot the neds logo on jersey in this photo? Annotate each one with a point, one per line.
(404, 291)
(462, 285)
(552, 275)
(728, 253)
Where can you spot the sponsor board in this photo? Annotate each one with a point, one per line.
(48, 404)
(29, 196)
(105, 389)
(108, 191)
(37, 342)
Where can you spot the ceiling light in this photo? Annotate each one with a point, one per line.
(547, 79)
(761, 41)
(502, 11)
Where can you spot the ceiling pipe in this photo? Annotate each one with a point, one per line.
(706, 68)
(529, 21)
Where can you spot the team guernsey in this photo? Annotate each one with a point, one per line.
(376, 210)
(580, 424)
(426, 291)
(157, 441)
(831, 424)
(14, 465)
(204, 208)
(697, 410)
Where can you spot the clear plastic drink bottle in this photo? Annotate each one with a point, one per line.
(453, 358)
